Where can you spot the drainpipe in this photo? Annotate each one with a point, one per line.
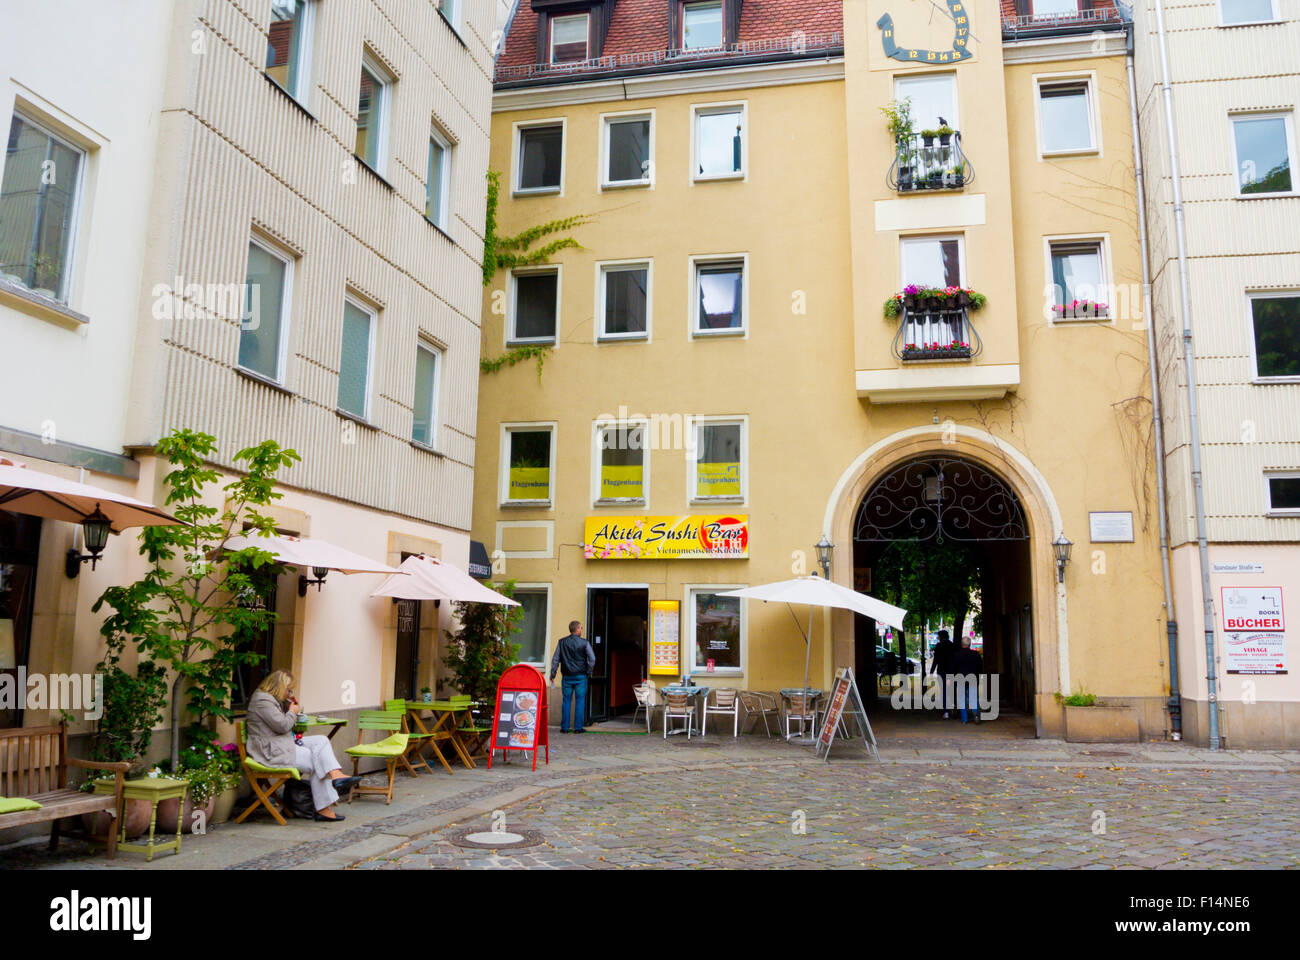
(1189, 358)
(1175, 704)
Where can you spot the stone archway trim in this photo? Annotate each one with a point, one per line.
(1039, 490)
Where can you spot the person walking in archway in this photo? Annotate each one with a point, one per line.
(967, 665)
(941, 664)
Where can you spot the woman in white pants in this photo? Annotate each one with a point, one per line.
(272, 712)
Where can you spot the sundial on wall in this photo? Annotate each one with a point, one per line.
(960, 40)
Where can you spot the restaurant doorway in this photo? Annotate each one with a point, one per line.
(20, 538)
(617, 619)
(930, 533)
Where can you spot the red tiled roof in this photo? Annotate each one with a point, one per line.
(639, 26)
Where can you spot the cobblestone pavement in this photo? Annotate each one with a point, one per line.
(943, 796)
(986, 814)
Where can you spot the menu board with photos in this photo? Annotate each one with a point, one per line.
(665, 637)
(519, 721)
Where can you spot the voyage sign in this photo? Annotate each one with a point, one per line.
(694, 537)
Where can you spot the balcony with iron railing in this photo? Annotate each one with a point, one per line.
(937, 328)
(930, 161)
(796, 45)
(1030, 25)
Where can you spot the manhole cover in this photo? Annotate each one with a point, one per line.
(495, 839)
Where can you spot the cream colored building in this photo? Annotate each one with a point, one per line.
(1234, 80)
(749, 220)
(278, 235)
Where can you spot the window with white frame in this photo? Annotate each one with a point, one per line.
(527, 458)
(718, 460)
(1054, 9)
(1283, 492)
(356, 358)
(375, 93)
(569, 38)
(540, 158)
(437, 190)
(265, 324)
(450, 10)
(1078, 278)
(931, 97)
(1234, 12)
(1275, 325)
(288, 46)
(701, 24)
(40, 196)
(718, 304)
(428, 375)
(719, 142)
(531, 638)
(627, 148)
(624, 308)
(622, 463)
(1066, 121)
(717, 632)
(1264, 147)
(534, 306)
(932, 261)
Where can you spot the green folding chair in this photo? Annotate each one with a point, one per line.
(264, 780)
(391, 749)
(471, 728)
(418, 739)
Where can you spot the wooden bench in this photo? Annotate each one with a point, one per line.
(34, 764)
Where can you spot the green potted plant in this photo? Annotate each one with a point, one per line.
(1089, 719)
(206, 767)
(426, 694)
(481, 650)
(944, 133)
(45, 272)
(927, 137)
(898, 116)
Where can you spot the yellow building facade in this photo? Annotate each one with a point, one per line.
(726, 309)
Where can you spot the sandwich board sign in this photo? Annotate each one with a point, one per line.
(845, 704)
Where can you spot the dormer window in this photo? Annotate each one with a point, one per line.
(702, 24)
(569, 37)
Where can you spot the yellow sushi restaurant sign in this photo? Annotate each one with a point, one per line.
(694, 537)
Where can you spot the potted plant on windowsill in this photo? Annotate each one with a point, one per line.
(944, 134)
(46, 271)
(927, 137)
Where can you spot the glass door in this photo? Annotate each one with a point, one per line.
(20, 538)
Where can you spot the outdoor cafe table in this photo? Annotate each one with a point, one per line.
(443, 728)
(306, 721)
(699, 694)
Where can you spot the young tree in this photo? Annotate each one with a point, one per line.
(185, 611)
(481, 651)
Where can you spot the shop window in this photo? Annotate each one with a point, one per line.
(569, 38)
(1264, 145)
(1065, 117)
(356, 359)
(528, 457)
(719, 300)
(718, 461)
(1275, 323)
(716, 631)
(288, 46)
(263, 329)
(621, 454)
(624, 301)
(627, 151)
(540, 158)
(1284, 493)
(535, 307)
(719, 142)
(428, 373)
(39, 199)
(532, 634)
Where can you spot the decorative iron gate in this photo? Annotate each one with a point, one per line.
(938, 498)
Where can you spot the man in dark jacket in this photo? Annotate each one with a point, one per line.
(942, 665)
(574, 656)
(967, 665)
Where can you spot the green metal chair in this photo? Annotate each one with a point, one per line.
(471, 728)
(391, 749)
(418, 739)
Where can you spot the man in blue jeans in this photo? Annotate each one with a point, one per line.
(574, 656)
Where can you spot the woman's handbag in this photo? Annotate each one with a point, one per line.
(297, 799)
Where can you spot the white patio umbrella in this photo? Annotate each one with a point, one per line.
(426, 578)
(23, 490)
(300, 552)
(819, 592)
